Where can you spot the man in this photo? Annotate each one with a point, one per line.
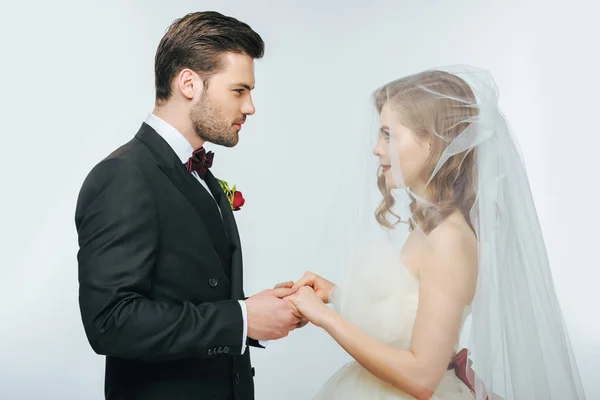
(160, 263)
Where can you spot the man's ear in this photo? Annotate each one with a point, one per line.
(188, 83)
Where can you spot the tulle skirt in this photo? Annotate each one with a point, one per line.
(353, 382)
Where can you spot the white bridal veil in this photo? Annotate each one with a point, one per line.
(517, 341)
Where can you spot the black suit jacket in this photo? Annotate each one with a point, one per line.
(160, 276)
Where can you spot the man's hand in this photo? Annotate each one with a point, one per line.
(320, 285)
(289, 284)
(269, 316)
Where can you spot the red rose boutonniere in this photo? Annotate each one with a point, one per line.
(236, 200)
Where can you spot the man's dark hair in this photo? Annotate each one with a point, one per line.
(198, 41)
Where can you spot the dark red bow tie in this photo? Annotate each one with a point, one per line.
(200, 161)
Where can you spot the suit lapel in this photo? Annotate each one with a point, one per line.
(194, 192)
(232, 233)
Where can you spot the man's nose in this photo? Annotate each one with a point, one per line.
(248, 107)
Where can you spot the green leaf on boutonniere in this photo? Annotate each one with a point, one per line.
(229, 192)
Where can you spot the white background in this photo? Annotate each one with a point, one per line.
(77, 81)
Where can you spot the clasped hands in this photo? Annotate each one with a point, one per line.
(311, 293)
(273, 313)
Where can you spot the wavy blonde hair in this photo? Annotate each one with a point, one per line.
(436, 106)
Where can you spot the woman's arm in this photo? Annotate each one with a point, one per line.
(447, 280)
(391, 365)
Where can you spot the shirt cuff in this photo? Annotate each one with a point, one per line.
(263, 343)
(245, 331)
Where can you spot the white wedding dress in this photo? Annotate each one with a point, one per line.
(380, 296)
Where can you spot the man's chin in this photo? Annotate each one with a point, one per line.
(223, 141)
(230, 144)
(232, 141)
(235, 138)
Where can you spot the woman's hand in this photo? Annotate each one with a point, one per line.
(310, 305)
(320, 285)
(288, 285)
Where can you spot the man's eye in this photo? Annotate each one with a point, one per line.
(239, 91)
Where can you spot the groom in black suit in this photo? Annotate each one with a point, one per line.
(160, 262)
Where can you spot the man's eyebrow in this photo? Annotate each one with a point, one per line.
(244, 85)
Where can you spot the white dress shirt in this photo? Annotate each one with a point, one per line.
(184, 151)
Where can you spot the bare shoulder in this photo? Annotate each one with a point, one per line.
(454, 255)
(454, 237)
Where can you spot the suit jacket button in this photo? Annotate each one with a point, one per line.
(236, 378)
(210, 352)
(220, 350)
(225, 349)
(213, 282)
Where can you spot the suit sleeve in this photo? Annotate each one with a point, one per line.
(261, 344)
(117, 225)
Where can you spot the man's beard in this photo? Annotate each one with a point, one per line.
(210, 124)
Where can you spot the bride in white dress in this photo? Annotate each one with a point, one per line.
(473, 247)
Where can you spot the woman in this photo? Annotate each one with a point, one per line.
(474, 247)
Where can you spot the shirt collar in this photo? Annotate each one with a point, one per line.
(172, 136)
